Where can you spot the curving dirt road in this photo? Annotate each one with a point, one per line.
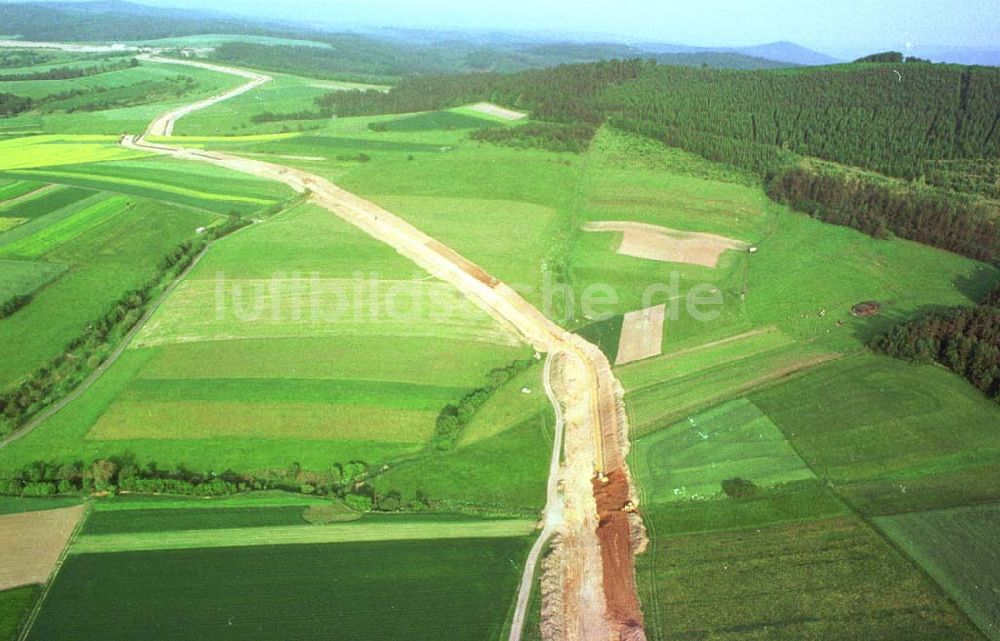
(164, 125)
(589, 592)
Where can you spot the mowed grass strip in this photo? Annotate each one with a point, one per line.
(456, 589)
(691, 459)
(958, 549)
(67, 230)
(271, 390)
(361, 531)
(129, 420)
(279, 307)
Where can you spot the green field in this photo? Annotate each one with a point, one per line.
(692, 458)
(212, 387)
(19, 277)
(829, 578)
(412, 590)
(15, 606)
(16, 189)
(873, 419)
(56, 150)
(110, 103)
(201, 186)
(103, 247)
(956, 547)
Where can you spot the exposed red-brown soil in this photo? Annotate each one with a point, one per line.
(614, 503)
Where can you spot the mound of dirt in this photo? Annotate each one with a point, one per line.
(615, 534)
(653, 242)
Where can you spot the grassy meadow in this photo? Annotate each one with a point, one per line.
(955, 547)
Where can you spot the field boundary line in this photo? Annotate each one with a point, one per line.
(36, 610)
(872, 525)
(346, 532)
(31, 195)
(112, 358)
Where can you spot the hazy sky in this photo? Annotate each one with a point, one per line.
(832, 24)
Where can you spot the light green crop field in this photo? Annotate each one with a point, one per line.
(55, 150)
(692, 458)
(455, 222)
(65, 231)
(957, 548)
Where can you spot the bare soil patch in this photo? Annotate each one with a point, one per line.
(653, 242)
(642, 335)
(32, 543)
(490, 109)
(614, 504)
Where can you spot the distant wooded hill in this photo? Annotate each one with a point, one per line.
(357, 56)
(927, 123)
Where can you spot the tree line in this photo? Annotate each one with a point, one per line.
(86, 352)
(966, 340)
(454, 418)
(69, 73)
(961, 225)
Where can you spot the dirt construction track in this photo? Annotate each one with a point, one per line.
(589, 589)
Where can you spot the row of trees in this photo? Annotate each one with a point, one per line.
(453, 418)
(68, 73)
(960, 225)
(10, 306)
(965, 340)
(11, 105)
(87, 351)
(349, 482)
(543, 135)
(124, 474)
(100, 98)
